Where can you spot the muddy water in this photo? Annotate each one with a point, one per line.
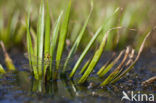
(20, 87)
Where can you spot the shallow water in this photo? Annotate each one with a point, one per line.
(20, 87)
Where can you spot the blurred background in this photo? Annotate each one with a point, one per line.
(137, 17)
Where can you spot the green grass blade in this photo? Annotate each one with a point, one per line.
(40, 36)
(105, 27)
(54, 39)
(85, 52)
(77, 42)
(111, 65)
(34, 58)
(47, 37)
(102, 69)
(75, 31)
(63, 33)
(30, 49)
(29, 42)
(34, 39)
(85, 67)
(106, 64)
(94, 60)
(134, 62)
(2, 71)
(47, 32)
(55, 35)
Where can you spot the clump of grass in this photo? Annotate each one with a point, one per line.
(95, 59)
(44, 46)
(103, 28)
(12, 30)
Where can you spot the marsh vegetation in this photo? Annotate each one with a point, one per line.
(79, 52)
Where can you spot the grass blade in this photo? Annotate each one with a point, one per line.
(63, 34)
(85, 67)
(2, 71)
(111, 65)
(85, 52)
(47, 37)
(105, 65)
(95, 59)
(30, 48)
(40, 36)
(29, 45)
(54, 39)
(77, 42)
(47, 32)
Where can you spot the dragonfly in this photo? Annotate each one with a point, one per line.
(47, 60)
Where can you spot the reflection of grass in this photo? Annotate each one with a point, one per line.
(42, 45)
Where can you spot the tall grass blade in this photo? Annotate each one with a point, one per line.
(77, 42)
(34, 40)
(47, 32)
(47, 37)
(40, 36)
(85, 52)
(30, 48)
(63, 33)
(33, 54)
(54, 39)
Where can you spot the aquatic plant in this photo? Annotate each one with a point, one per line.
(42, 48)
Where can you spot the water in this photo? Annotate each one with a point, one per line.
(20, 87)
